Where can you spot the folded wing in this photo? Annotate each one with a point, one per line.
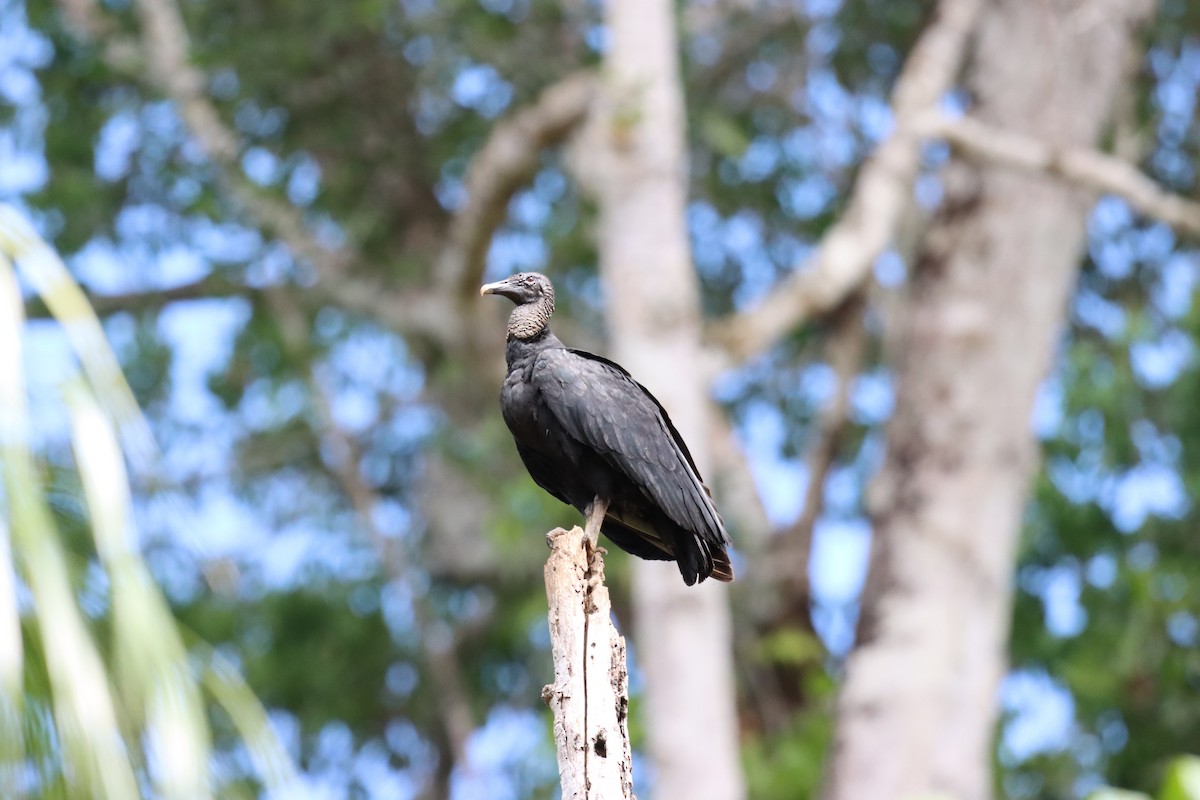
(597, 403)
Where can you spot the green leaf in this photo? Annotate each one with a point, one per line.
(1183, 780)
(1109, 793)
(791, 646)
(723, 135)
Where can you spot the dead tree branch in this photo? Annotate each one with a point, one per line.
(845, 348)
(1084, 167)
(590, 693)
(167, 47)
(210, 286)
(734, 483)
(505, 163)
(883, 191)
(509, 157)
(343, 456)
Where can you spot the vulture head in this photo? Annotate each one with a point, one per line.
(533, 295)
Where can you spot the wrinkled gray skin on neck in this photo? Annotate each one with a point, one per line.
(530, 319)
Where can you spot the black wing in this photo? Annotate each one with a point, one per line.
(542, 471)
(600, 405)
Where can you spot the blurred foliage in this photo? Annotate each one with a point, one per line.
(1182, 782)
(1113, 513)
(364, 116)
(77, 718)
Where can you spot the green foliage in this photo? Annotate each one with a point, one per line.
(305, 647)
(1182, 782)
(1134, 574)
(77, 719)
(790, 762)
(791, 647)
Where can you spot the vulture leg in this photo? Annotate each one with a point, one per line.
(595, 517)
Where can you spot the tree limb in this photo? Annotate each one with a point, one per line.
(86, 21)
(590, 693)
(846, 253)
(739, 42)
(342, 457)
(507, 160)
(1084, 167)
(844, 349)
(734, 484)
(212, 285)
(505, 163)
(166, 42)
(167, 45)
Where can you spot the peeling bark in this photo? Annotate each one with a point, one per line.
(985, 305)
(590, 693)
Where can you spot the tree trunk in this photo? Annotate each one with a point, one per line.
(590, 693)
(683, 634)
(983, 313)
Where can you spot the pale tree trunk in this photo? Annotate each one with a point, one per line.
(590, 693)
(683, 634)
(983, 313)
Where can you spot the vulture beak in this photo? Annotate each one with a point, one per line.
(505, 288)
(492, 288)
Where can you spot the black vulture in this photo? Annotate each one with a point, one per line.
(596, 439)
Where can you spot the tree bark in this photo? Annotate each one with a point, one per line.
(683, 634)
(590, 693)
(1085, 167)
(984, 308)
(878, 203)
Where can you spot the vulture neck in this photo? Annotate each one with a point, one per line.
(518, 353)
(529, 321)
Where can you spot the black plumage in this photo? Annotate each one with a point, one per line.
(596, 439)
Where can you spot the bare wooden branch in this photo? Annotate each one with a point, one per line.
(846, 253)
(342, 458)
(507, 160)
(844, 349)
(734, 484)
(167, 46)
(743, 29)
(1084, 167)
(213, 285)
(505, 163)
(590, 693)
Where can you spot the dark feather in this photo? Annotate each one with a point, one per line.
(586, 430)
(601, 406)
